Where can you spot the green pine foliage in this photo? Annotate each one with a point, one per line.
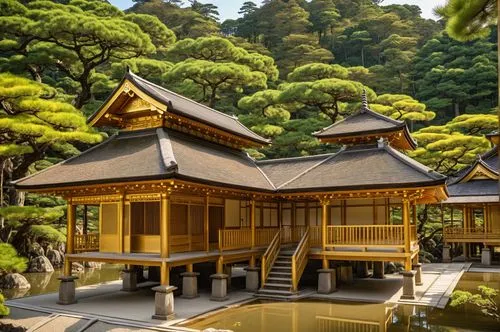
(4, 310)
(10, 261)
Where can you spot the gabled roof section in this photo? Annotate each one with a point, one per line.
(373, 166)
(152, 154)
(368, 126)
(138, 104)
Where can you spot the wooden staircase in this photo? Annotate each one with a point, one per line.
(282, 266)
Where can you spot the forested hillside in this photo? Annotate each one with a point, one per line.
(286, 69)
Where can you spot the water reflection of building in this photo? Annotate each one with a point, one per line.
(302, 316)
(175, 188)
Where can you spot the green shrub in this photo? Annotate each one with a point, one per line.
(9, 260)
(4, 311)
(485, 301)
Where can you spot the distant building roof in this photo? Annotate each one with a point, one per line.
(477, 183)
(367, 125)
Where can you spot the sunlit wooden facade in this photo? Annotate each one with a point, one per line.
(174, 188)
(474, 205)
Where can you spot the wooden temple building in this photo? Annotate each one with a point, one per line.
(473, 208)
(175, 188)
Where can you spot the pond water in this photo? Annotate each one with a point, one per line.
(311, 315)
(42, 283)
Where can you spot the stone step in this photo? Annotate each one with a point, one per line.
(280, 274)
(279, 280)
(287, 258)
(275, 285)
(280, 262)
(275, 292)
(286, 252)
(280, 268)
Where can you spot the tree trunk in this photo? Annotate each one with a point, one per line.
(213, 95)
(456, 108)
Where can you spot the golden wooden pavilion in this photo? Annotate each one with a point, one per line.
(175, 188)
(474, 207)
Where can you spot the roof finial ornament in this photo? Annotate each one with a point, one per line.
(364, 101)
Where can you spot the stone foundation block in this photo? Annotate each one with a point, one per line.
(219, 287)
(189, 285)
(418, 275)
(326, 281)
(252, 279)
(446, 253)
(164, 302)
(346, 274)
(486, 256)
(67, 290)
(408, 285)
(129, 282)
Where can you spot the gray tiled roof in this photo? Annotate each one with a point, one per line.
(359, 167)
(192, 110)
(474, 188)
(280, 171)
(153, 154)
(364, 121)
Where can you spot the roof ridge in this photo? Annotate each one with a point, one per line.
(166, 151)
(312, 167)
(270, 161)
(194, 102)
(262, 172)
(413, 163)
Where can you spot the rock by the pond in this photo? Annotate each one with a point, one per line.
(55, 258)
(92, 265)
(40, 264)
(11, 328)
(36, 250)
(77, 267)
(390, 268)
(14, 280)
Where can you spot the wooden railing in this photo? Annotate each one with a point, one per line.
(451, 233)
(269, 257)
(230, 239)
(86, 242)
(315, 236)
(264, 236)
(366, 235)
(413, 233)
(299, 259)
(292, 234)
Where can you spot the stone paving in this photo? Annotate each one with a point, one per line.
(104, 307)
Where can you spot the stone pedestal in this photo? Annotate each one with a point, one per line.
(67, 290)
(446, 253)
(362, 269)
(219, 287)
(378, 270)
(129, 282)
(164, 302)
(326, 281)
(189, 285)
(408, 285)
(346, 274)
(252, 279)
(486, 256)
(418, 274)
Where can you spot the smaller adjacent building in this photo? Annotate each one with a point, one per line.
(473, 207)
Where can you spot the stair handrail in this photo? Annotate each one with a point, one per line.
(269, 257)
(299, 259)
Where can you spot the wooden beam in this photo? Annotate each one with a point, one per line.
(164, 274)
(252, 221)
(407, 237)
(324, 222)
(206, 221)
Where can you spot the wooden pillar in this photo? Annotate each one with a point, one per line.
(324, 221)
(252, 221)
(206, 221)
(220, 265)
(485, 218)
(164, 225)
(164, 274)
(406, 223)
(70, 235)
(189, 268)
(120, 224)
(414, 213)
(85, 219)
